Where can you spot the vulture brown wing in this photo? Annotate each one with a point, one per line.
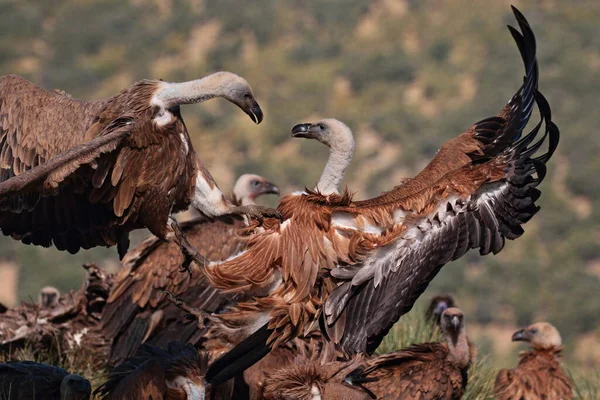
(144, 381)
(137, 310)
(477, 206)
(485, 138)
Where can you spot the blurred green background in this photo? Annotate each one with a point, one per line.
(405, 75)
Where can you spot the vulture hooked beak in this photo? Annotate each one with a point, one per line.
(520, 336)
(455, 323)
(254, 112)
(269, 188)
(302, 131)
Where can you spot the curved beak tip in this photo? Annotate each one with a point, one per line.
(518, 336)
(455, 323)
(300, 130)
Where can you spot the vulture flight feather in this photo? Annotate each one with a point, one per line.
(35, 381)
(80, 174)
(355, 267)
(137, 310)
(426, 371)
(539, 375)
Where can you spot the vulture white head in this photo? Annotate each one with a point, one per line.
(48, 297)
(227, 85)
(249, 186)
(339, 138)
(541, 335)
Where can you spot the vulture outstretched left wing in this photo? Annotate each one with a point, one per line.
(485, 138)
(477, 206)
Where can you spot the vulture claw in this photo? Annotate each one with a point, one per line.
(192, 313)
(190, 254)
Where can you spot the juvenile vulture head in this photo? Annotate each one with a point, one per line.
(540, 335)
(438, 305)
(228, 85)
(75, 387)
(249, 186)
(48, 297)
(452, 323)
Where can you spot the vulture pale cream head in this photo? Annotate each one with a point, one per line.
(48, 296)
(249, 186)
(228, 85)
(339, 138)
(452, 320)
(541, 335)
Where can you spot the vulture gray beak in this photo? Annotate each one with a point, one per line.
(302, 131)
(455, 323)
(254, 112)
(269, 188)
(520, 336)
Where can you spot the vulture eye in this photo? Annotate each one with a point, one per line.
(247, 95)
(322, 127)
(255, 183)
(534, 331)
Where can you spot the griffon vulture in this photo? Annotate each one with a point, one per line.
(36, 381)
(355, 267)
(48, 297)
(172, 374)
(437, 306)
(426, 371)
(539, 374)
(137, 310)
(81, 174)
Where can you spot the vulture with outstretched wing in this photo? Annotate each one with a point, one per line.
(36, 381)
(426, 371)
(80, 174)
(539, 374)
(137, 310)
(355, 267)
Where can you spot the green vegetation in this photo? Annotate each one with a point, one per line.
(404, 75)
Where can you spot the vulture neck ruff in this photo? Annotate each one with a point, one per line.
(341, 149)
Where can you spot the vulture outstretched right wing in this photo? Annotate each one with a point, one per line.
(485, 138)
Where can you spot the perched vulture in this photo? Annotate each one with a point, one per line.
(437, 306)
(355, 267)
(426, 371)
(48, 297)
(35, 381)
(71, 325)
(137, 310)
(539, 375)
(81, 174)
(172, 374)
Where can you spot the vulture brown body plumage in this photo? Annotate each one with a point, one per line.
(58, 186)
(137, 310)
(35, 381)
(356, 266)
(539, 375)
(426, 371)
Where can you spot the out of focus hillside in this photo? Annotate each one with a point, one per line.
(405, 75)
